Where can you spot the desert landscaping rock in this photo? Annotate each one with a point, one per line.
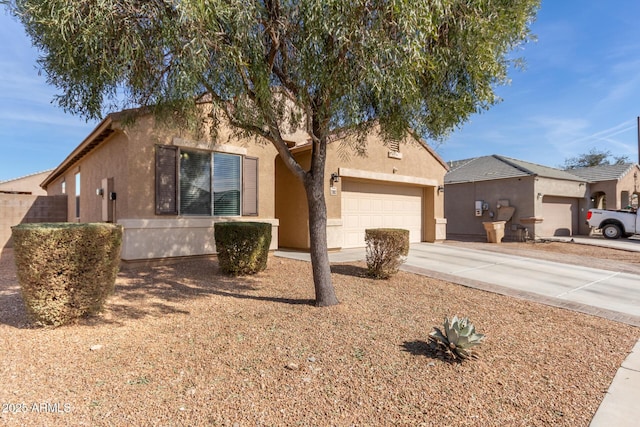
(184, 345)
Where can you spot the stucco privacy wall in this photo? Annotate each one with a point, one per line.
(127, 157)
(20, 208)
(415, 166)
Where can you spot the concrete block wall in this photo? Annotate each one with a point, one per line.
(21, 208)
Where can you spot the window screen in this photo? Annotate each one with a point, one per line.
(226, 184)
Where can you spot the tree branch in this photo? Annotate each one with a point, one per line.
(277, 141)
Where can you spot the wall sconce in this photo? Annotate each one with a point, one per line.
(99, 191)
(440, 189)
(539, 196)
(335, 178)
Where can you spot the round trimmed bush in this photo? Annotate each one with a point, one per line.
(66, 270)
(243, 247)
(387, 250)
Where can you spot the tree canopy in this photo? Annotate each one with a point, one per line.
(594, 157)
(267, 66)
(411, 64)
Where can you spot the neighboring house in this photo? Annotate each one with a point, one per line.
(547, 201)
(168, 188)
(22, 201)
(29, 184)
(612, 186)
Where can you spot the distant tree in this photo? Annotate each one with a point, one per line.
(267, 66)
(594, 158)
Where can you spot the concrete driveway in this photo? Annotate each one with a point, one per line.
(611, 294)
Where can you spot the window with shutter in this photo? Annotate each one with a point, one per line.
(250, 186)
(192, 182)
(166, 180)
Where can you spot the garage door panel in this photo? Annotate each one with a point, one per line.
(374, 205)
(559, 216)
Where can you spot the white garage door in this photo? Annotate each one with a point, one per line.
(560, 216)
(374, 205)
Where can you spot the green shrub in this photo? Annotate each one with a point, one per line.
(243, 247)
(66, 270)
(387, 249)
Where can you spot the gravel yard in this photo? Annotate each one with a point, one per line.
(182, 345)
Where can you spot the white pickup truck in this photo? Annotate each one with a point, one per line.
(615, 224)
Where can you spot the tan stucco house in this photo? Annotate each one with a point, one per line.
(168, 188)
(547, 201)
(29, 184)
(612, 186)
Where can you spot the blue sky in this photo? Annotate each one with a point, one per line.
(580, 90)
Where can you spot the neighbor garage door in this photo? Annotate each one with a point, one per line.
(368, 204)
(560, 216)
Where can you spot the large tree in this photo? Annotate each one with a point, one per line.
(594, 157)
(266, 66)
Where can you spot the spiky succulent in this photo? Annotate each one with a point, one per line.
(458, 338)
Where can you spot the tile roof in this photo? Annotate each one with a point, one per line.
(499, 167)
(603, 173)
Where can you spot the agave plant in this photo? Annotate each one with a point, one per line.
(458, 338)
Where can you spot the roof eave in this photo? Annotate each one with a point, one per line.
(97, 136)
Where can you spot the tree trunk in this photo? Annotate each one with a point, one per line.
(325, 293)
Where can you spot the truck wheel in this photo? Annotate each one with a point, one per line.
(611, 231)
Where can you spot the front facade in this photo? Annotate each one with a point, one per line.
(547, 202)
(168, 188)
(147, 178)
(394, 186)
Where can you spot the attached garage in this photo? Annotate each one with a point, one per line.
(560, 216)
(371, 204)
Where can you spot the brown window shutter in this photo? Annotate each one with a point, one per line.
(166, 180)
(250, 186)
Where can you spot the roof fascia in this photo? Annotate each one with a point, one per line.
(103, 129)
